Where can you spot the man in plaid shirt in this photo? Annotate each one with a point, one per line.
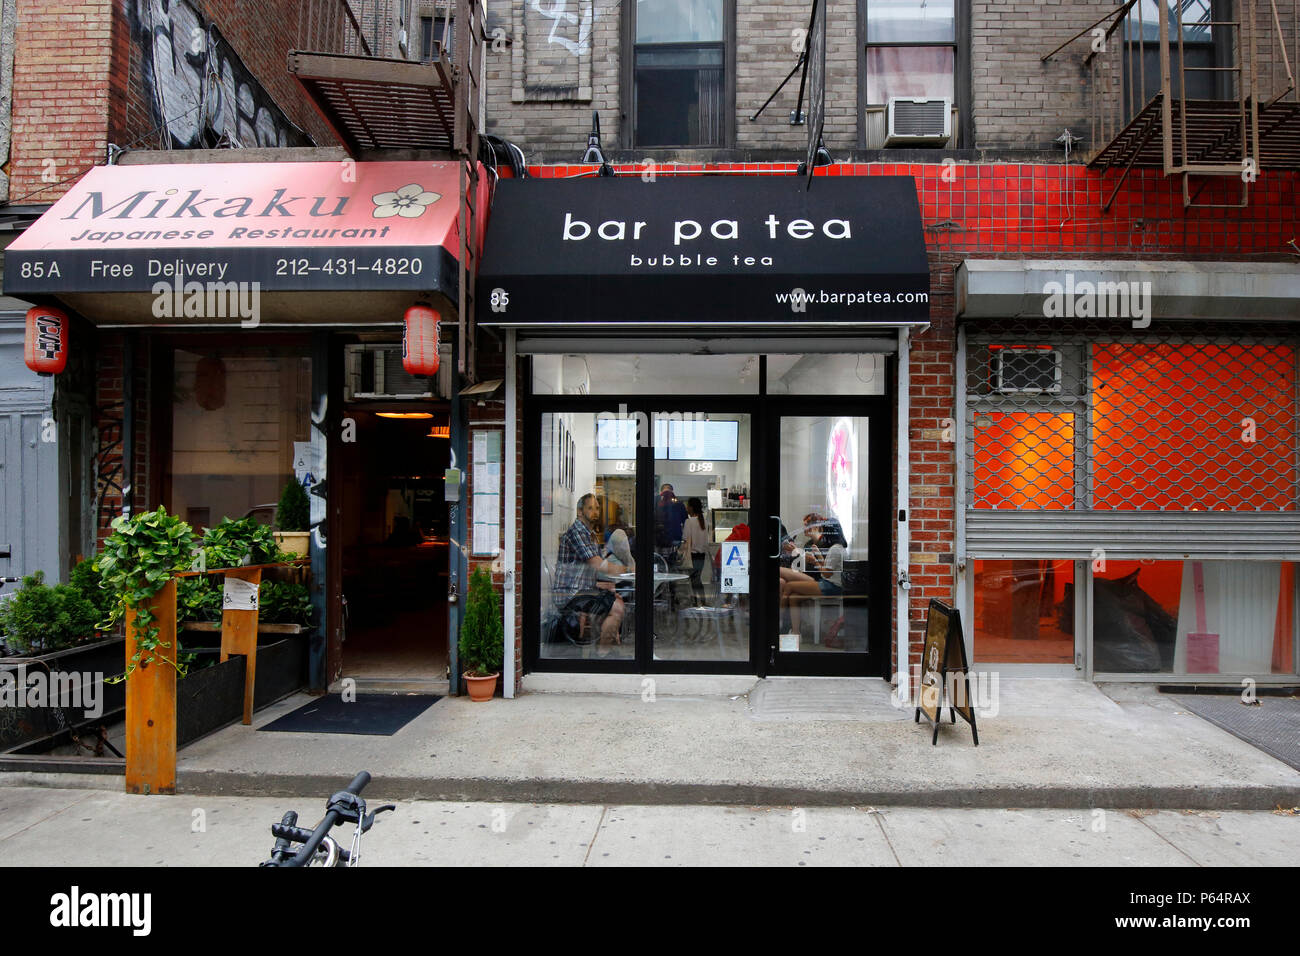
(577, 564)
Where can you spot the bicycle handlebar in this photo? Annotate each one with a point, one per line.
(345, 805)
(333, 815)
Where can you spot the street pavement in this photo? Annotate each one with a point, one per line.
(52, 827)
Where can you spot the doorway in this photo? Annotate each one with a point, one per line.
(392, 533)
(826, 548)
(715, 521)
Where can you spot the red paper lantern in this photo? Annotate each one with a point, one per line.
(420, 340)
(46, 347)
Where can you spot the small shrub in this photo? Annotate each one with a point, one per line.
(88, 581)
(294, 511)
(482, 633)
(39, 618)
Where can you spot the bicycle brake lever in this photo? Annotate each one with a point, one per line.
(370, 820)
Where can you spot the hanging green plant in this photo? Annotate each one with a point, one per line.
(136, 562)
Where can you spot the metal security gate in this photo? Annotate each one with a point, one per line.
(1102, 442)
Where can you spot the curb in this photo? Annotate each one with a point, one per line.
(650, 793)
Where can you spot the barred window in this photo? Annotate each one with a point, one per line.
(1114, 421)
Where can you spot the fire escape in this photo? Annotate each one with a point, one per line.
(392, 88)
(1197, 88)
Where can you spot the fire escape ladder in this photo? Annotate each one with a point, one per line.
(1245, 119)
(385, 95)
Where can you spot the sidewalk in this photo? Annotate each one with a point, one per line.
(49, 827)
(788, 742)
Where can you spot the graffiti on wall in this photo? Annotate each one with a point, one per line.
(316, 487)
(200, 92)
(556, 11)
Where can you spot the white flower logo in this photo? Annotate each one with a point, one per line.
(408, 202)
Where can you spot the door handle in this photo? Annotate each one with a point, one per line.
(776, 537)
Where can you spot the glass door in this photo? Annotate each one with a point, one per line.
(699, 590)
(827, 542)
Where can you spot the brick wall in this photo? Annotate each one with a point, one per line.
(765, 37)
(1018, 101)
(518, 73)
(88, 73)
(62, 55)
(490, 417)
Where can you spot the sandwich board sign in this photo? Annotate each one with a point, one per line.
(944, 669)
(733, 567)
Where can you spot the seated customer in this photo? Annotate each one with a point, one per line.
(578, 587)
(822, 561)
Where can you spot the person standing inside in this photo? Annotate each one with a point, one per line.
(695, 545)
(670, 517)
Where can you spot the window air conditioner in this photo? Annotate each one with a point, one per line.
(1027, 371)
(919, 122)
(375, 372)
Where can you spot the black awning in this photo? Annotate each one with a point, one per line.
(705, 250)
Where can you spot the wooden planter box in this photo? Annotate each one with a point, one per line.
(23, 727)
(214, 627)
(213, 697)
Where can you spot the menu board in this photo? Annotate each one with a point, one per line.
(944, 671)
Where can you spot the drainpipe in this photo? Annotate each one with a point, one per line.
(508, 541)
(902, 586)
(128, 422)
(457, 569)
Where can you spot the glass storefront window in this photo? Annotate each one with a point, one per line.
(1194, 617)
(827, 374)
(702, 477)
(864, 373)
(235, 417)
(612, 374)
(1024, 611)
(588, 539)
(822, 571)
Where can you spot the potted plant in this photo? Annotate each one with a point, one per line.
(293, 517)
(481, 637)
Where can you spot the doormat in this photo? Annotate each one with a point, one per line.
(379, 715)
(1273, 726)
(798, 699)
